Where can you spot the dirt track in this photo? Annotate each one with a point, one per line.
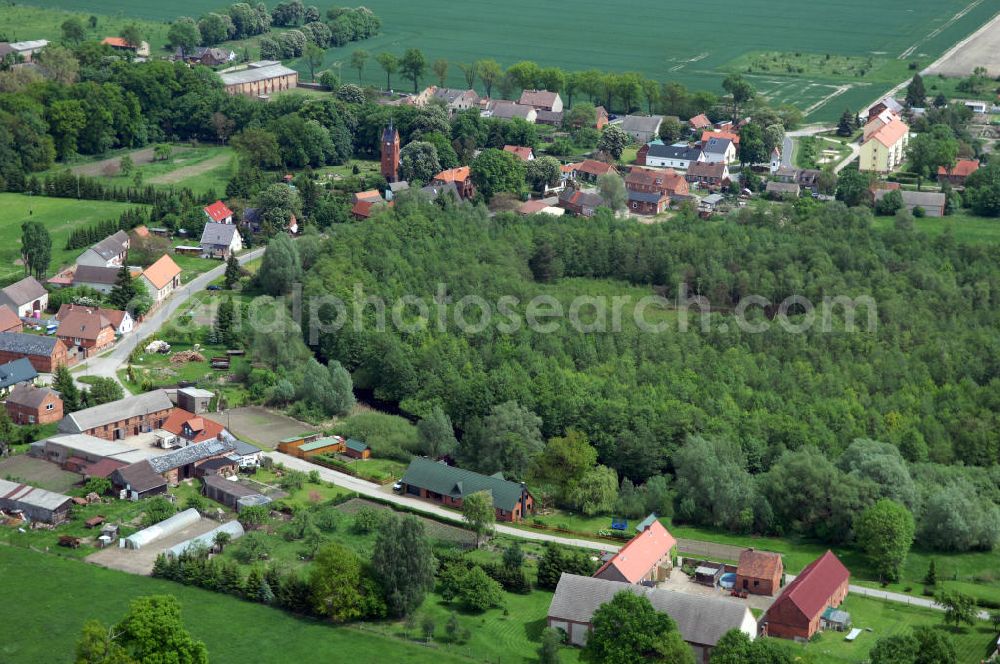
(141, 561)
(185, 172)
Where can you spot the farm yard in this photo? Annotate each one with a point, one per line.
(805, 33)
(60, 216)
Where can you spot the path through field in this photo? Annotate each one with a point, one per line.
(96, 168)
(194, 170)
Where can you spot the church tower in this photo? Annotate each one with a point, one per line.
(390, 153)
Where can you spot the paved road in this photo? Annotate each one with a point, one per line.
(365, 488)
(107, 364)
(788, 146)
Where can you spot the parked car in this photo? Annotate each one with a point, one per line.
(398, 486)
(214, 287)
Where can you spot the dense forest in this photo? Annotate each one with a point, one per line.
(715, 408)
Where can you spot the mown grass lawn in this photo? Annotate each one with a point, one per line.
(60, 216)
(55, 596)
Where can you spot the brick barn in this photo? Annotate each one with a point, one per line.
(120, 419)
(797, 612)
(44, 353)
(448, 485)
(759, 572)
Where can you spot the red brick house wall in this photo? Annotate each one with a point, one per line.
(502, 515)
(759, 585)
(91, 346)
(41, 363)
(132, 425)
(785, 620)
(23, 414)
(645, 207)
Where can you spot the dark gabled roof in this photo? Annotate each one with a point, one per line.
(811, 590)
(707, 169)
(581, 198)
(228, 487)
(95, 274)
(24, 291)
(458, 482)
(657, 149)
(700, 620)
(389, 134)
(646, 197)
(27, 344)
(783, 187)
(18, 371)
(245, 449)
(717, 145)
(190, 454)
(217, 463)
(554, 117)
(140, 476)
(30, 396)
(112, 245)
(642, 123)
(219, 234)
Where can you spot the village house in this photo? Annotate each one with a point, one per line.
(456, 100)
(665, 181)
(956, 175)
(219, 213)
(449, 485)
(699, 122)
(85, 331)
(879, 107)
(759, 572)
(701, 621)
(541, 206)
(109, 252)
(522, 153)
(120, 44)
(642, 128)
(706, 136)
(120, 320)
(708, 176)
(932, 202)
(580, 203)
(246, 454)
(101, 279)
(36, 504)
(25, 298)
(884, 144)
(542, 100)
(220, 240)
(190, 428)
(502, 109)
(185, 463)
(647, 557)
(44, 353)
(119, 419)
(27, 404)
(797, 612)
(161, 278)
(461, 177)
(24, 51)
(656, 153)
(202, 55)
(435, 191)
(15, 373)
(589, 170)
(366, 208)
(9, 321)
(550, 118)
(782, 190)
(259, 79)
(138, 481)
(719, 150)
(806, 178)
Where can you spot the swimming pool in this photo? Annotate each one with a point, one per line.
(727, 580)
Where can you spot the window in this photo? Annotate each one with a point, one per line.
(49, 406)
(31, 419)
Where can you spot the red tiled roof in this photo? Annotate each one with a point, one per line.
(460, 174)
(8, 319)
(206, 429)
(811, 590)
(634, 560)
(533, 206)
(759, 564)
(700, 121)
(218, 211)
(372, 196)
(889, 134)
(594, 167)
(82, 324)
(523, 153)
(117, 42)
(103, 467)
(731, 135)
(162, 271)
(963, 168)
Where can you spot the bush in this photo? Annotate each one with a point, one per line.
(368, 519)
(98, 485)
(919, 212)
(155, 510)
(389, 436)
(252, 547)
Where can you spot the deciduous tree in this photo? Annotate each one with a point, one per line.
(628, 630)
(885, 533)
(478, 512)
(403, 563)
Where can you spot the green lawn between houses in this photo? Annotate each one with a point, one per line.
(60, 216)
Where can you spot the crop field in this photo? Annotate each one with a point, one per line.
(59, 215)
(692, 44)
